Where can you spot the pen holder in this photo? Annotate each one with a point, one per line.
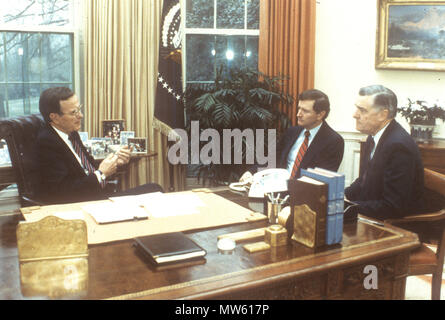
(273, 209)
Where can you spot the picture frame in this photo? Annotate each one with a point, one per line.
(125, 135)
(83, 136)
(112, 129)
(139, 145)
(100, 147)
(411, 35)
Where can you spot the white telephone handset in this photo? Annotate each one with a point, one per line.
(269, 180)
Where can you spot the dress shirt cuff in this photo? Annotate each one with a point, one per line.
(99, 176)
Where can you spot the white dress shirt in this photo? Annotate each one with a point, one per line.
(377, 137)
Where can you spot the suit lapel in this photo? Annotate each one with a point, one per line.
(382, 139)
(65, 149)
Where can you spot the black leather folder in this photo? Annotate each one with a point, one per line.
(168, 248)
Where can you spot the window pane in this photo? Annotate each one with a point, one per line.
(36, 12)
(18, 103)
(200, 57)
(33, 95)
(230, 14)
(2, 58)
(230, 52)
(56, 57)
(200, 13)
(23, 56)
(252, 52)
(253, 14)
(3, 106)
(33, 62)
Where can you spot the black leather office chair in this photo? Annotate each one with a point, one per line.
(20, 134)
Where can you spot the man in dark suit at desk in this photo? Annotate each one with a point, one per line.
(66, 171)
(313, 143)
(391, 182)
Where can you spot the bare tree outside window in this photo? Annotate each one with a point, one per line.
(32, 61)
(220, 33)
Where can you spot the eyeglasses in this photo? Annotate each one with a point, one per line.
(75, 112)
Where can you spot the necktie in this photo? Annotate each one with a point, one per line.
(300, 154)
(370, 146)
(83, 157)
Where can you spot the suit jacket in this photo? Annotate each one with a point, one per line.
(325, 151)
(61, 179)
(391, 184)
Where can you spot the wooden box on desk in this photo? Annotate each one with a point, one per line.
(308, 201)
(53, 257)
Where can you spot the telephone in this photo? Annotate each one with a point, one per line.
(269, 180)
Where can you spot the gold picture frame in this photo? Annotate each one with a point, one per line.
(411, 35)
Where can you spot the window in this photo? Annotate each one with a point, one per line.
(36, 52)
(220, 33)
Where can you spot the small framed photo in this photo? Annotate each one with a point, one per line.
(139, 145)
(112, 129)
(83, 136)
(125, 135)
(100, 147)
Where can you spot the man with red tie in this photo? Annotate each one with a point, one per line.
(65, 169)
(313, 143)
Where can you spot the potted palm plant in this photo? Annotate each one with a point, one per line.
(241, 99)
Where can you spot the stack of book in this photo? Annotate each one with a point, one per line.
(335, 183)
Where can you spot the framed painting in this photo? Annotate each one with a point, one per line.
(411, 35)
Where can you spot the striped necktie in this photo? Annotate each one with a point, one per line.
(87, 165)
(300, 154)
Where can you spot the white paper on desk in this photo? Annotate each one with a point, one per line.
(114, 212)
(161, 205)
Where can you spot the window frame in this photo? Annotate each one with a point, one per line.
(209, 31)
(73, 29)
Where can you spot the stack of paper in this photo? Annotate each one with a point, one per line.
(113, 212)
(161, 205)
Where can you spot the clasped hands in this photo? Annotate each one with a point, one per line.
(110, 164)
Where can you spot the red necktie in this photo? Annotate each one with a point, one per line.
(300, 154)
(83, 157)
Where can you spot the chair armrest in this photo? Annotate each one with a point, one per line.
(28, 202)
(426, 217)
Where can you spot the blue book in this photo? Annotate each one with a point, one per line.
(340, 181)
(338, 227)
(339, 205)
(332, 207)
(331, 229)
(331, 181)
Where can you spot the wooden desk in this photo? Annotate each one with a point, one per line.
(289, 272)
(433, 155)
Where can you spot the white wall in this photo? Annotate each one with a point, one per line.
(344, 62)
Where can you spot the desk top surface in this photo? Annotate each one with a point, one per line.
(114, 270)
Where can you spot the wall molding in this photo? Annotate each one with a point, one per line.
(350, 164)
